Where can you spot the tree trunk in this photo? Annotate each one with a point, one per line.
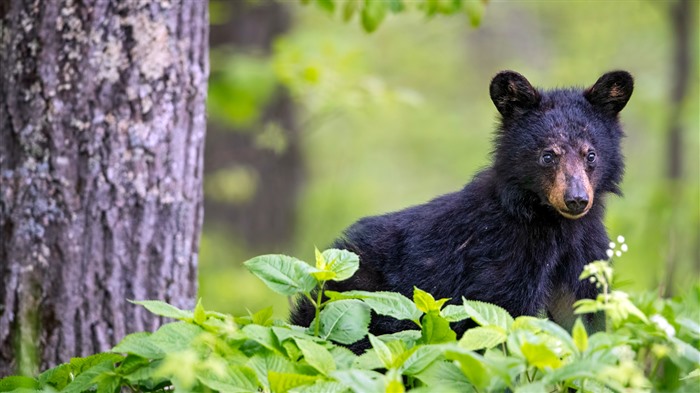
(102, 124)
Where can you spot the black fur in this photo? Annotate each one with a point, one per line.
(498, 239)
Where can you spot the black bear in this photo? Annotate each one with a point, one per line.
(519, 234)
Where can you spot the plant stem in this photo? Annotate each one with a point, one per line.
(317, 328)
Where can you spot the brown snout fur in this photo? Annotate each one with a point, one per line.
(571, 168)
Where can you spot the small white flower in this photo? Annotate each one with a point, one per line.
(620, 239)
(591, 279)
(618, 253)
(611, 245)
(623, 247)
(610, 253)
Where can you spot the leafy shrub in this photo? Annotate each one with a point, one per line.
(650, 344)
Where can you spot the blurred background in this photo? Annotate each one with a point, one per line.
(315, 123)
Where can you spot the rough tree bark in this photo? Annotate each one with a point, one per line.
(102, 125)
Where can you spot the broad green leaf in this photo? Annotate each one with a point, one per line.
(342, 262)
(200, 316)
(372, 14)
(482, 337)
(323, 275)
(344, 321)
(283, 274)
(176, 336)
(132, 363)
(58, 377)
(164, 309)
(420, 359)
(343, 357)
(283, 382)
(474, 367)
(391, 304)
(320, 260)
(487, 314)
(540, 356)
(426, 302)
(382, 350)
(454, 313)
(445, 376)
(13, 382)
(141, 345)
(263, 336)
(580, 336)
(435, 329)
(264, 363)
(558, 332)
(361, 381)
(263, 317)
(322, 387)
(237, 379)
(581, 369)
(409, 337)
(85, 380)
(394, 386)
(317, 356)
(686, 350)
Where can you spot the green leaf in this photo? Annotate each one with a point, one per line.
(580, 369)
(474, 367)
(139, 344)
(11, 383)
(263, 317)
(445, 376)
(200, 316)
(482, 337)
(487, 314)
(426, 302)
(372, 14)
(361, 381)
(454, 313)
(475, 11)
(176, 336)
(345, 321)
(558, 332)
(322, 387)
(580, 336)
(132, 363)
(58, 377)
(435, 329)
(540, 355)
(237, 379)
(264, 363)
(391, 304)
(342, 262)
(317, 356)
(164, 309)
(283, 382)
(283, 274)
(263, 336)
(85, 380)
(396, 6)
(382, 350)
(420, 359)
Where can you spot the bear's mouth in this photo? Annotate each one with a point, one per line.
(570, 215)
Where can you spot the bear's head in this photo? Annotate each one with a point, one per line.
(560, 147)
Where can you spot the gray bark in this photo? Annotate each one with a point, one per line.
(102, 125)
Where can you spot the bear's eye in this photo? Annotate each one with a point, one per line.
(590, 157)
(547, 158)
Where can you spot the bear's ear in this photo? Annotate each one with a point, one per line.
(611, 92)
(512, 93)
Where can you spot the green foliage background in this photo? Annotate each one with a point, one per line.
(396, 117)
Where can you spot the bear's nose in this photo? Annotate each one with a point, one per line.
(576, 203)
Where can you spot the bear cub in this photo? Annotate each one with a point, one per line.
(519, 234)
